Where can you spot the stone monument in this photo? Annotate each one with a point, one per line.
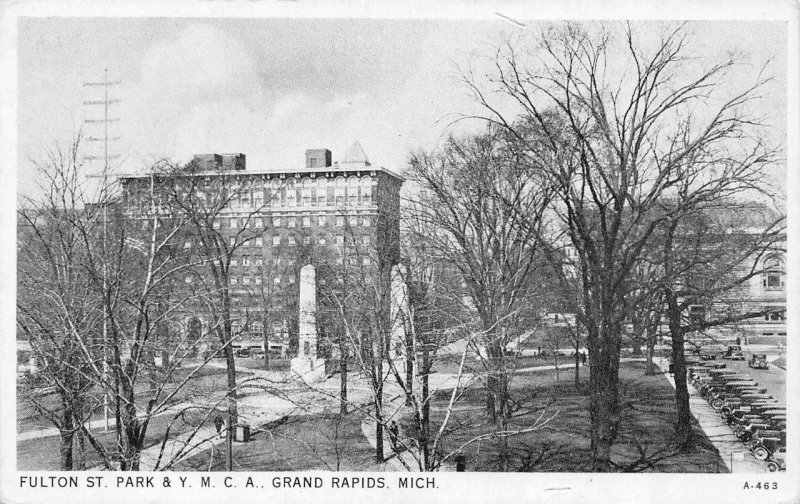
(306, 365)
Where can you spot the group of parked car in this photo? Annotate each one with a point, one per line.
(757, 418)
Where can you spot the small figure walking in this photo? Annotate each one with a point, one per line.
(219, 423)
(583, 358)
(738, 341)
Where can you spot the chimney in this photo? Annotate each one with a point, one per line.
(207, 162)
(234, 161)
(318, 158)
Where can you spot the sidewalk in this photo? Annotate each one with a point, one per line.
(737, 458)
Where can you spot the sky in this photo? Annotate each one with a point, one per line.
(272, 88)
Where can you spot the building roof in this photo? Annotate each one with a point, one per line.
(356, 154)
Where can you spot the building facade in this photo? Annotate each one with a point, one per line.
(341, 217)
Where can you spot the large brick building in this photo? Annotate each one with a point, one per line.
(333, 215)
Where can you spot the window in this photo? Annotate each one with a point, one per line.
(366, 221)
(257, 330)
(277, 280)
(234, 280)
(352, 190)
(188, 244)
(277, 194)
(340, 183)
(306, 240)
(777, 314)
(365, 241)
(773, 273)
(189, 279)
(306, 192)
(292, 222)
(366, 190)
(259, 261)
(216, 225)
(322, 190)
(234, 261)
(291, 240)
(259, 241)
(246, 280)
(276, 240)
(340, 240)
(353, 221)
(276, 222)
(258, 280)
(322, 220)
(259, 222)
(366, 261)
(306, 221)
(291, 193)
(291, 279)
(322, 241)
(232, 241)
(232, 223)
(258, 198)
(339, 221)
(245, 260)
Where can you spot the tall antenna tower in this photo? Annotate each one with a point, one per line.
(105, 102)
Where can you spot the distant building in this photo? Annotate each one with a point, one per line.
(318, 214)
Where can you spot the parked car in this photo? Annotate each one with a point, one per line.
(758, 361)
(734, 352)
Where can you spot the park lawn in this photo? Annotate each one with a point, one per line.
(42, 454)
(563, 444)
(296, 443)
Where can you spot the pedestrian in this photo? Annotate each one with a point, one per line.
(738, 341)
(219, 422)
(583, 358)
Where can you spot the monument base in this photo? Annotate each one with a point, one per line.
(308, 369)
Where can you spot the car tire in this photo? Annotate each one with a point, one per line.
(760, 453)
(772, 466)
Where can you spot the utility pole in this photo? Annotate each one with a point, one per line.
(104, 201)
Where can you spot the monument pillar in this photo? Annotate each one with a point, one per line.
(401, 333)
(306, 365)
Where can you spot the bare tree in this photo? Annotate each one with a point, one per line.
(485, 209)
(626, 115)
(223, 214)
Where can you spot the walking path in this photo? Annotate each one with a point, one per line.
(737, 458)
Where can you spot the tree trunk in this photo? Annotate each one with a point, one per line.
(636, 346)
(378, 412)
(604, 350)
(683, 426)
(650, 367)
(67, 438)
(342, 384)
(230, 364)
(577, 361)
(266, 346)
(425, 438)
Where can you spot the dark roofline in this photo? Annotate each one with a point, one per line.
(243, 173)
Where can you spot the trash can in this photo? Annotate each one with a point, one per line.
(242, 433)
(461, 463)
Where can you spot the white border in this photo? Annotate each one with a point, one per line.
(469, 487)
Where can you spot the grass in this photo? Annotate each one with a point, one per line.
(314, 442)
(563, 445)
